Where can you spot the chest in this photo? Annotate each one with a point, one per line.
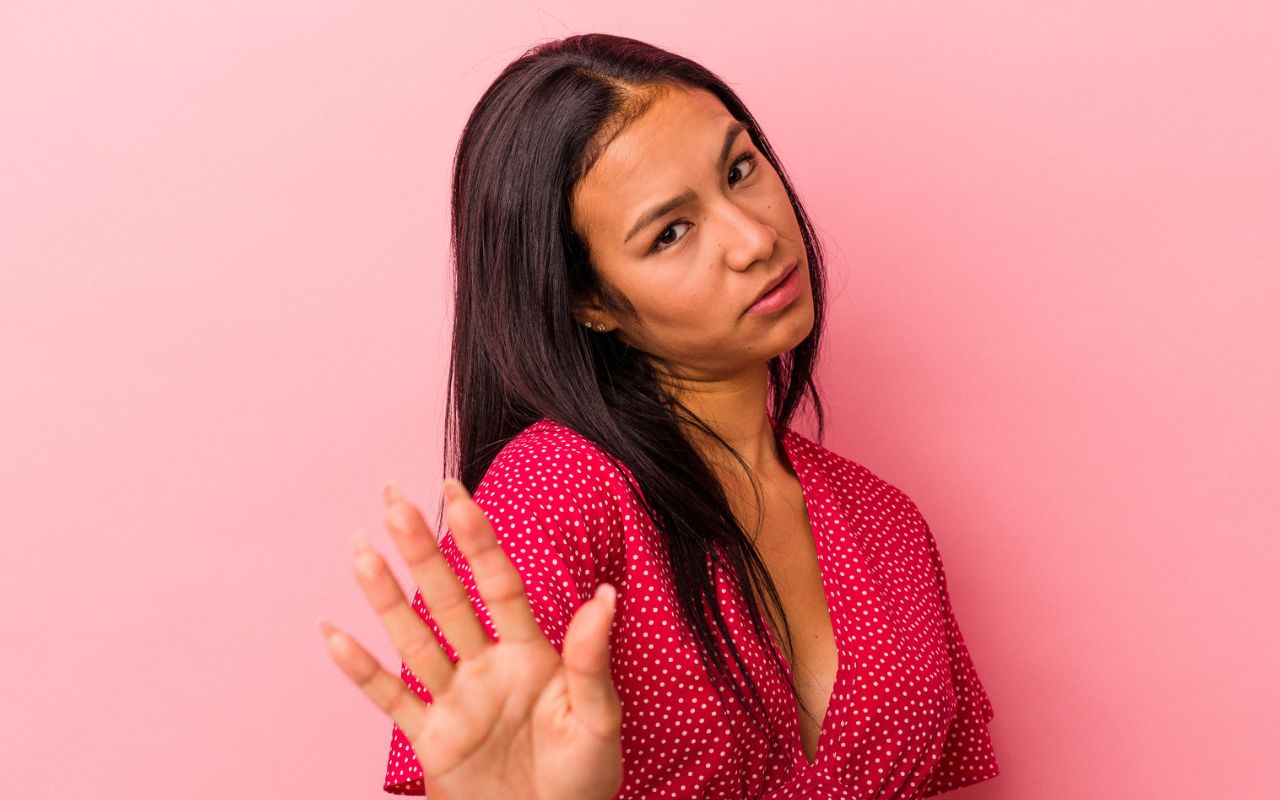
(891, 642)
(785, 542)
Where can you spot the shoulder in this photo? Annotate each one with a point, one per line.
(860, 490)
(887, 525)
(548, 461)
(551, 481)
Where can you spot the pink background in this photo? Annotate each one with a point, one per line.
(1054, 230)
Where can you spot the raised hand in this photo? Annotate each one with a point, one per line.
(512, 718)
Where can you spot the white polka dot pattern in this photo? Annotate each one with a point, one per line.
(907, 717)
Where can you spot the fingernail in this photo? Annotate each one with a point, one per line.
(324, 626)
(610, 594)
(452, 488)
(391, 492)
(359, 542)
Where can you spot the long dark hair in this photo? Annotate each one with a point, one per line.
(519, 355)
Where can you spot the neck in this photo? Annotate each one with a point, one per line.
(735, 407)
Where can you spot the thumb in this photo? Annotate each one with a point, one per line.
(588, 681)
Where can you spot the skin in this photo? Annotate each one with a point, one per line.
(716, 253)
(512, 717)
(689, 277)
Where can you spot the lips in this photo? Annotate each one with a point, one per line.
(773, 284)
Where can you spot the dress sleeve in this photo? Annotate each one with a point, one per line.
(553, 517)
(967, 754)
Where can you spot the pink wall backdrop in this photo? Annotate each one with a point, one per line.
(1055, 240)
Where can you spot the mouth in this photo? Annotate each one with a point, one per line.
(775, 283)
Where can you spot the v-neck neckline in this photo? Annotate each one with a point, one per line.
(818, 535)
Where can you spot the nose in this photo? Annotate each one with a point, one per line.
(744, 237)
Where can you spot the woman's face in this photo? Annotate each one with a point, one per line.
(684, 217)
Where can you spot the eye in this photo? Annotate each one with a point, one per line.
(745, 158)
(664, 240)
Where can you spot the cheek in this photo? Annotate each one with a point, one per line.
(685, 310)
(785, 215)
(664, 300)
(779, 205)
(689, 306)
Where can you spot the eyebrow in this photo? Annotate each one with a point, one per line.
(662, 209)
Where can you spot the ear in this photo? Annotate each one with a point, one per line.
(589, 313)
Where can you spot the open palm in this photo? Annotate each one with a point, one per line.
(511, 718)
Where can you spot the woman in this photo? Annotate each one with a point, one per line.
(688, 598)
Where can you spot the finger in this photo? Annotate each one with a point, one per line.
(442, 592)
(497, 580)
(416, 644)
(588, 679)
(386, 691)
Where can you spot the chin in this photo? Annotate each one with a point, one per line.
(799, 320)
(790, 331)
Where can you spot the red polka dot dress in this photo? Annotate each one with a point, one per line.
(907, 717)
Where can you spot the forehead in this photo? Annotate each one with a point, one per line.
(659, 154)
